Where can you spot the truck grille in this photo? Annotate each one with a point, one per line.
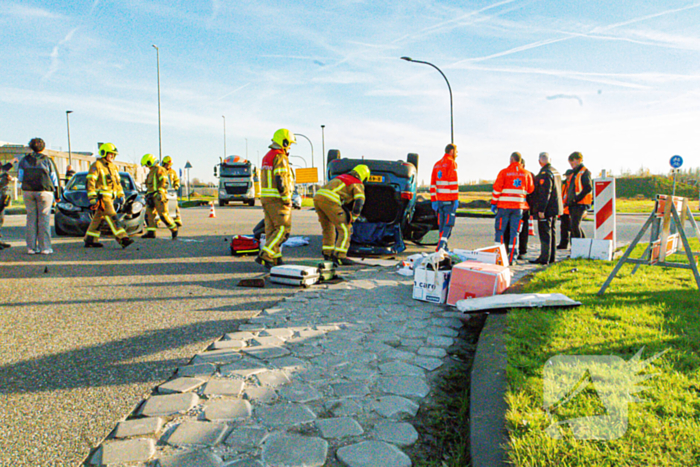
(236, 190)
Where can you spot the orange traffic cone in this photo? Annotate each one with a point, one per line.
(212, 213)
(531, 227)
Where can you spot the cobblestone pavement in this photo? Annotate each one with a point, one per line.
(330, 376)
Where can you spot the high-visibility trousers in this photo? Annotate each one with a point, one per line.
(105, 212)
(159, 206)
(336, 228)
(278, 226)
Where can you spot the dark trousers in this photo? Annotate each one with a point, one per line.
(522, 236)
(576, 212)
(564, 231)
(547, 228)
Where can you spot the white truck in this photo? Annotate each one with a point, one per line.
(238, 181)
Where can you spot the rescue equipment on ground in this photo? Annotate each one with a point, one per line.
(244, 245)
(291, 274)
(472, 279)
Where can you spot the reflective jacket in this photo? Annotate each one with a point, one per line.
(276, 164)
(512, 186)
(103, 179)
(343, 189)
(173, 179)
(443, 182)
(580, 190)
(157, 180)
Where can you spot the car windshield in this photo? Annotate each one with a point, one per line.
(235, 171)
(78, 182)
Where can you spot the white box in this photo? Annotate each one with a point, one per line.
(480, 256)
(589, 248)
(430, 286)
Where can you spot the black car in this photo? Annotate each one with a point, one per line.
(73, 214)
(388, 216)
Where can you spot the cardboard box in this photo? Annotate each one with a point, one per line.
(480, 256)
(589, 248)
(501, 254)
(429, 285)
(472, 279)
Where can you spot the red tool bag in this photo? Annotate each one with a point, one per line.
(244, 245)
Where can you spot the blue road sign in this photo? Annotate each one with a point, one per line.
(676, 161)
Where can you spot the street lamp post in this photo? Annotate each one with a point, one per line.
(246, 148)
(452, 126)
(70, 153)
(224, 135)
(312, 147)
(160, 141)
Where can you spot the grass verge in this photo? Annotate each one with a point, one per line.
(655, 310)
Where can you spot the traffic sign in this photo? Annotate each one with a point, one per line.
(309, 175)
(676, 161)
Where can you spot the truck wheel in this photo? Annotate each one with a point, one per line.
(412, 158)
(222, 203)
(333, 154)
(251, 202)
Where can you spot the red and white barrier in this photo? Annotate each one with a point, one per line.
(604, 202)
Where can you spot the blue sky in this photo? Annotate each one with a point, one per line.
(617, 81)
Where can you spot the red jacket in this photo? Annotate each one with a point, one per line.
(512, 186)
(443, 182)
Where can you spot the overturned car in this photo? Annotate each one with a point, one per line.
(389, 214)
(73, 214)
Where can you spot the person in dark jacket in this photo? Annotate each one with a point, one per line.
(5, 180)
(39, 180)
(580, 193)
(545, 207)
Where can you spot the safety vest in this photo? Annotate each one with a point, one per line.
(512, 187)
(173, 179)
(565, 194)
(343, 189)
(103, 179)
(157, 180)
(443, 182)
(275, 163)
(578, 187)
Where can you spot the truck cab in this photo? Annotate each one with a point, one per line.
(238, 181)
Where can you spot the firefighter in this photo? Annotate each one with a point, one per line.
(330, 203)
(174, 182)
(156, 197)
(444, 193)
(276, 188)
(103, 188)
(512, 186)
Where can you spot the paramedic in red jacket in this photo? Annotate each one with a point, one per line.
(444, 193)
(508, 201)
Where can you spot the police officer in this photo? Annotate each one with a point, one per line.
(103, 188)
(546, 206)
(336, 223)
(156, 197)
(276, 188)
(174, 182)
(444, 193)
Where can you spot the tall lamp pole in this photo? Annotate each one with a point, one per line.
(323, 148)
(312, 147)
(246, 148)
(452, 126)
(224, 117)
(70, 153)
(160, 141)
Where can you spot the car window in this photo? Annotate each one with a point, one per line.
(78, 182)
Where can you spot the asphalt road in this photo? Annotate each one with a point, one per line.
(85, 334)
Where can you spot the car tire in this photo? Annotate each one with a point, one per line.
(412, 158)
(222, 203)
(59, 231)
(251, 202)
(333, 154)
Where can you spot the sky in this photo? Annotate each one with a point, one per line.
(617, 81)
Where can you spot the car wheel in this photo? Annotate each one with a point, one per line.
(412, 158)
(333, 154)
(59, 231)
(222, 203)
(251, 202)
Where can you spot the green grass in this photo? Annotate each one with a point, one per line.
(657, 310)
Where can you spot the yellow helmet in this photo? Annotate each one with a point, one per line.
(284, 138)
(362, 172)
(167, 160)
(148, 160)
(106, 148)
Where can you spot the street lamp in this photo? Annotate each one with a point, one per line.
(452, 126)
(299, 157)
(70, 154)
(246, 148)
(160, 142)
(224, 117)
(312, 147)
